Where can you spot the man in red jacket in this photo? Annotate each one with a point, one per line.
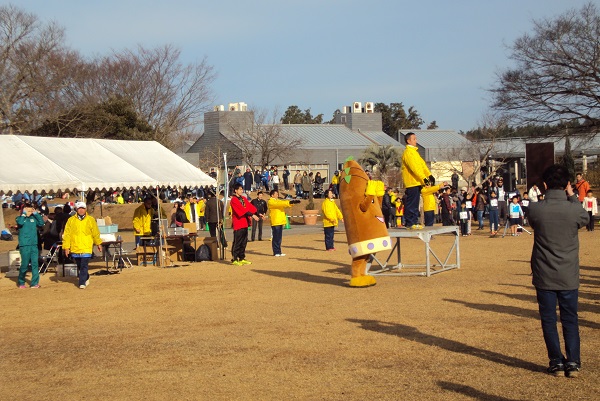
(582, 186)
(241, 213)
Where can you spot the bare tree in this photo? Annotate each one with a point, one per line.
(557, 73)
(169, 95)
(30, 57)
(469, 161)
(262, 140)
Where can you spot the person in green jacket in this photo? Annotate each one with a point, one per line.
(80, 235)
(28, 223)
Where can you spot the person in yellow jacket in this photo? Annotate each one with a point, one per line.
(79, 237)
(399, 210)
(429, 204)
(201, 212)
(335, 183)
(142, 220)
(415, 175)
(331, 215)
(192, 211)
(278, 218)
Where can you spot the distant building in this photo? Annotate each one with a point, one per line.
(325, 146)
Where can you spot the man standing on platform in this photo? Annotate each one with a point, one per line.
(415, 175)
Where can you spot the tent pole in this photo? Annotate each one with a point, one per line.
(160, 234)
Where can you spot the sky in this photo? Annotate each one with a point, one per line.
(439, 56)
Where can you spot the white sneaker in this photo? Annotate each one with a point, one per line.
(82, 287)
(280, 254)
(87, 282)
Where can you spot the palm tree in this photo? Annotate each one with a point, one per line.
(381, 159)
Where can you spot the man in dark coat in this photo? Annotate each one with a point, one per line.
(555, 266)
(248, 180)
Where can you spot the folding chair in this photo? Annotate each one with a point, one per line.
(52, 256)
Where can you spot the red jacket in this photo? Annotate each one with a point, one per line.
(241, 212)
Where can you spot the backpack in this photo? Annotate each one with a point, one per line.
(54, 229)
(203, 253)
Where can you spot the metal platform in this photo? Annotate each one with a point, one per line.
(428, 268)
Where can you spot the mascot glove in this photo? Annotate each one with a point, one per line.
(379, 188)
(371, 188)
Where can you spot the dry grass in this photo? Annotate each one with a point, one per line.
(290, 328)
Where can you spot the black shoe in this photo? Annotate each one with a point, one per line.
(572, 369)
(557, 370)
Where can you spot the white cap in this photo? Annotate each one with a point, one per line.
(80, 205)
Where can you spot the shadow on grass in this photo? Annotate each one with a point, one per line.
(590, 268)
(471, 392)
(306, 277)
(413, 334)
(515, 311)
(582, 306)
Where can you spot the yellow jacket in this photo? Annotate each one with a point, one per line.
(331, 213)
(335, 179)
(414, 169)
(187, 208)
(429, 202)
(80, 236)
(276, 212)
(141, 220)
(201, 207)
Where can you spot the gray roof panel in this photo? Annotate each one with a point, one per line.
(435, 139)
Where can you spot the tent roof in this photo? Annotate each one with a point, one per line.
(52, 164)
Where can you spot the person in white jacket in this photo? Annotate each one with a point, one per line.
(534, 193)
(591, 206)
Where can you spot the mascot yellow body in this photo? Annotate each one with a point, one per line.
(360, 199)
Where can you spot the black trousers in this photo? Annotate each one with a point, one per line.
(240, 240)
(256, 224)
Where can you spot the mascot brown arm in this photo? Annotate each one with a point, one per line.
(360, 199)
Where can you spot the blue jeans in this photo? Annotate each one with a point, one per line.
(411, 207)
(298, 189)
(567, 303)
(494, 222)
(277, 236)
(82, 268)
(429, 217)
(480, 218)
(329, 232)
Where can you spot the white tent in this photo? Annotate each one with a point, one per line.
(50, 164)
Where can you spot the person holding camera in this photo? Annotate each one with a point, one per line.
(278, 219)
(555, 267)
(28, 223)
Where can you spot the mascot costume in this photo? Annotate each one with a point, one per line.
(360, 199)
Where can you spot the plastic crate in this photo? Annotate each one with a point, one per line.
(113, 228)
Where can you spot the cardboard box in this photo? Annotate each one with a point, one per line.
(212, 244)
